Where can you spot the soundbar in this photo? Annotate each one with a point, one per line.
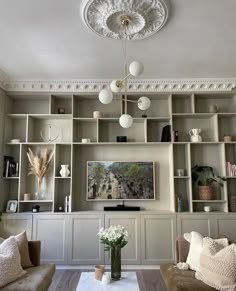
(121, 208)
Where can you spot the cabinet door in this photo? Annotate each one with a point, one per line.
(12, 224)
(84, 244)
(226, 225)
(202, 223)
(52, 231)
(130, 254)
(157, 238)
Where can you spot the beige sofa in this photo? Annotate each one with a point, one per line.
(179, 280)
(38, 277)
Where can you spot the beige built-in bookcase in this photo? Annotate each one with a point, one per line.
(26, 114)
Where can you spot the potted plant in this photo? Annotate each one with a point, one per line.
(115, 238)
(204, 177)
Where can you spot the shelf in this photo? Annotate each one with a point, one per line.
(230, 177)
(36, 201)
(193, 115)
(62, 177)
(182, 177)
(11, 178)
(209, 201)
(51, 116)
(17, 116)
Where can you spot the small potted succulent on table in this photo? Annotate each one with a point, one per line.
(204, 178)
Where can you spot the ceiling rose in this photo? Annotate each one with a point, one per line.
(104, 17)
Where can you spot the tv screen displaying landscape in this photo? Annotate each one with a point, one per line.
(108, 180)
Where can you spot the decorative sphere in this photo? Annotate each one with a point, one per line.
(105, 96)
(144, 103)
(136, 68)
(114, 87)
(126, 120)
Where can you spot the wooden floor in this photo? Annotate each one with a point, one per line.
(67, 280)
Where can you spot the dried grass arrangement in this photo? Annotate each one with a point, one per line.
(39, 164)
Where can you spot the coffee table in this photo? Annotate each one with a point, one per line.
(128, 282)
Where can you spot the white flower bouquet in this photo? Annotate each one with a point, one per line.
(113, 237)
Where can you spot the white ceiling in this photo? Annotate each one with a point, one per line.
(46, 39)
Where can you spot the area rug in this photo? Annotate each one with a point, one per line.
(128, 282)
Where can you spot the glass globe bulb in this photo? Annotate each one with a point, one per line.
(136, 68)
(126, 120)
(144, 103)
(115, 87)
(105, 96)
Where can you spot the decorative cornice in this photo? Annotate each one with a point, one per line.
(4, 80)
(134, 86)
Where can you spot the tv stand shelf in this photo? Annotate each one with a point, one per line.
(27, 115)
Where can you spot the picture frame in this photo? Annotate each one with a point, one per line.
(11, 206)
(120, 180)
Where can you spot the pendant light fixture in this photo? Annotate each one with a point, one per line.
(124, 20)
(135, 69)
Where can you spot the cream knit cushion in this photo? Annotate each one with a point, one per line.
(22, 243)
(196, 247)
(10, 265)
(218, 265)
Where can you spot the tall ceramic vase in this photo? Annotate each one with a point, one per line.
(116, 263)
(64, 172)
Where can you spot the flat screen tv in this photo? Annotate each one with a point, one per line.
(112, 180)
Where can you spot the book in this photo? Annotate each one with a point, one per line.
(166, 134)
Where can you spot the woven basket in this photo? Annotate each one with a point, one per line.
(205, 193)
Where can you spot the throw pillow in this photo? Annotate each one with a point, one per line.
(196, 247)
(218, 265)
(10, 265)
(22, 243)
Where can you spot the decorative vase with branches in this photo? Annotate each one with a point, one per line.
(39, 164)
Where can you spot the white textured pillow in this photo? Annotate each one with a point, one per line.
(196, 247)
(10, 262)
(218, 265)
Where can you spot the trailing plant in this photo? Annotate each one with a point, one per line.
(205, 176)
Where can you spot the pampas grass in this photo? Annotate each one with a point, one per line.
(39, 164)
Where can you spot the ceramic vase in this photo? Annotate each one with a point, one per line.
(64, 172)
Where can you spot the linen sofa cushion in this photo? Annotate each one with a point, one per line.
(22, 243)
(218, 265)
(36, 279)
(10, 262)
(196, 247)
(179, 280)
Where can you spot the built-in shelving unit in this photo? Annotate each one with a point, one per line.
(27, 118)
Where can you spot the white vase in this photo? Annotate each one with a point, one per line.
(64, 172)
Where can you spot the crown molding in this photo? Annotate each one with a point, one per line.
(4, 80)
(137, 85)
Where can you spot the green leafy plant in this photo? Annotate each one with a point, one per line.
(205, 176)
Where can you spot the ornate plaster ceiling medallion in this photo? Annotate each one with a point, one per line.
(105, 17)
